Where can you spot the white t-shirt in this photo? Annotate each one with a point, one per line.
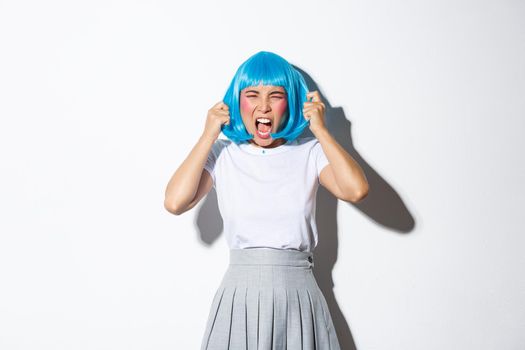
(267, 196)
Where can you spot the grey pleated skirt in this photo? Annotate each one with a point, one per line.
(269, 299)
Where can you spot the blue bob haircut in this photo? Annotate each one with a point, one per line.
(267, 68)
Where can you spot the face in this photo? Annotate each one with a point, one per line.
(268, 102)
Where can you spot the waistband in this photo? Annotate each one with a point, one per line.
(271, 256)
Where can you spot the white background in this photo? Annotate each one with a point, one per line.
(100, 102)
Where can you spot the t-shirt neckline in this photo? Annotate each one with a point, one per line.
(250, 148)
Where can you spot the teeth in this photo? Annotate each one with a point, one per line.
(263, 120)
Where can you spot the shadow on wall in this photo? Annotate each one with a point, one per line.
(382, 204)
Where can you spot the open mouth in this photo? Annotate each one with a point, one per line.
(263, 127)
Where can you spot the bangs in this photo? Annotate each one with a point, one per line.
(264, 70)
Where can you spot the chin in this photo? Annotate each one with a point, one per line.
(260, 141)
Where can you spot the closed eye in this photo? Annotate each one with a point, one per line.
(277, 97)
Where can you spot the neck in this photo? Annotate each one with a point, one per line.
(275, 143)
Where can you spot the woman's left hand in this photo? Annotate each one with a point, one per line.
(314, 111)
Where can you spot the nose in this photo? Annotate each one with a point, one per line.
(264, 106)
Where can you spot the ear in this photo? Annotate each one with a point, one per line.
(286, 116)
(284, 120)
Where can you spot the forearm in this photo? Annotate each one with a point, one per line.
(348, 174)
(183, 185)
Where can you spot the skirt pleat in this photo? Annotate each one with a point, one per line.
(269, 300)
(294, 328)
(238, 324)
(252, 315)
(280, 318)
(266, 319)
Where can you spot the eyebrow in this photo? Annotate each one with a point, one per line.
(273, 92)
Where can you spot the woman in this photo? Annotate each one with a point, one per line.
(266, 179)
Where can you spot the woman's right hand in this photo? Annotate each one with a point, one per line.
(217, 115)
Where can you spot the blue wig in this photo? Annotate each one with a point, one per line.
(267, 68)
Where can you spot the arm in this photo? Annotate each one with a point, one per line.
(343, 177)
(190, 182)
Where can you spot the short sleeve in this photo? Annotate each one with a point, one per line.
(319, 157)
(211, 162)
